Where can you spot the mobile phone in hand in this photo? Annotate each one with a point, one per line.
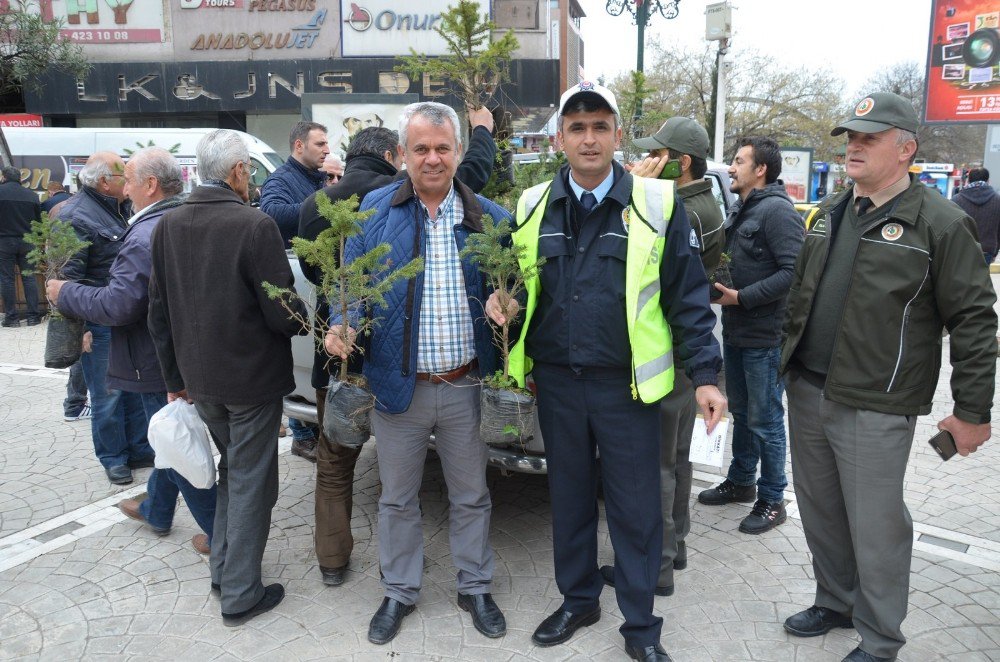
(671, 170)
(944, 444)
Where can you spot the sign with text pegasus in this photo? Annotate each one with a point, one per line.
(388, 27)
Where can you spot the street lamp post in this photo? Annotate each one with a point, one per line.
(641, 11)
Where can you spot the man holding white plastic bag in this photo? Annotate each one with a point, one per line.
(153, 183)
(224, 344)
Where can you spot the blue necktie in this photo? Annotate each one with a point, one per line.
(588, 201)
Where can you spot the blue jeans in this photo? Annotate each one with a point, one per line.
(119, 422)
(754, 393)
(76, 391)
(164, 484)
(301, 431)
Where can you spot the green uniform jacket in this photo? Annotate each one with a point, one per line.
(706, 220)
(918, 268)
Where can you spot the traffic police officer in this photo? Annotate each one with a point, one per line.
(620, 281)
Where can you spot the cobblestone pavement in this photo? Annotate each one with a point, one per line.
(80, 581)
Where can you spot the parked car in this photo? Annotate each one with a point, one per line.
(301, 404)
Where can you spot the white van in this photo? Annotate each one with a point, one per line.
(47, 154)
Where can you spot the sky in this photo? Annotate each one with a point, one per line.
(854, 39)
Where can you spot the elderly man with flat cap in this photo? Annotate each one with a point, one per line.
(678, 151)
(886, 265)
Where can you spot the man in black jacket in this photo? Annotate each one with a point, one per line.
(18, 208)
(763, 239)
(982, 203)
(225, 344)
(373, 161)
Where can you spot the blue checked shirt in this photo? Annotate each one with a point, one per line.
(445, 339)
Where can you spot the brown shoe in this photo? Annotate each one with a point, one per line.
(305, 449)
(130, 507)
(200, 544)
(282, 430)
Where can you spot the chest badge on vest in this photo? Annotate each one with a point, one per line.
(892, 231)
(626, 212)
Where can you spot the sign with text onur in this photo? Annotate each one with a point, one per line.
(388, 27)
(963, 82)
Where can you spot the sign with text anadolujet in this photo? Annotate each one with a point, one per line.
(963, 80)
(388, 27)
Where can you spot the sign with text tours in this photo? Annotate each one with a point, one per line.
(963, 83)
(388, 27)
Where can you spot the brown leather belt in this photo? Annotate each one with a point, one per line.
(451, 375)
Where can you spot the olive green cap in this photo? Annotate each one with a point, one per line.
(878, 112)
(678, 133)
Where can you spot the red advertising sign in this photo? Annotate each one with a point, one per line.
(963, 83)
(20, 120)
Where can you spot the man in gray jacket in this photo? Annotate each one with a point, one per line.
(763, 239)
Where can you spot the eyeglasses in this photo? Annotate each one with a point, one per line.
(251, 168)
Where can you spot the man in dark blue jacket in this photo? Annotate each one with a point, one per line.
(18, 208)
(425, 357)
(97, 213)
(154, 184)
(763, 239)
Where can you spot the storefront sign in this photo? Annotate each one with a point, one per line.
(796, 172)
(300, 36)
(110, 21)
(211, 4)
(20, 120)
(387, 27)
(963, 84)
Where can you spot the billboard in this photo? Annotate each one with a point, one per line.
(963, 83)
(796, 172)
(388, 27)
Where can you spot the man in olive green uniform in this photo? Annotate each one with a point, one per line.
(678, 151)
(885, 266)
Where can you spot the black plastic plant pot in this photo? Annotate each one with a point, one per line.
(347, 414)
(63, 342)
(508, 417)
(720, 275)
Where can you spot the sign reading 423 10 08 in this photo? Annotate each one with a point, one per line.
(107, 21)
(963, 84)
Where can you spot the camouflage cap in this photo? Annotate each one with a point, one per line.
(880, 111)
(679, 133)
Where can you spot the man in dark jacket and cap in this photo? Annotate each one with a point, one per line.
(373, 161)
(153, 183)
(980, 201)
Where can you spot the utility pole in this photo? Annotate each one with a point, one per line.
(719, 27)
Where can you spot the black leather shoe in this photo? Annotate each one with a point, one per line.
(816, 621)
(305, 449)
(216, 588)
(681, 560)
(764, 516)
(119, 475)
(728, 492)
(486, 615)
(10, 322)
(561, 625)
(648, 654)
(608, 575)
(333, 576)
(387, 621)
(858, 655)
(34, 321)
(273, 594)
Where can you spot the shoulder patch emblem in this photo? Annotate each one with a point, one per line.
(626, 213)
(693, 239)
(864, 107)
(892, 231)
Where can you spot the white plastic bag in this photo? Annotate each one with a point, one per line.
(181, 442)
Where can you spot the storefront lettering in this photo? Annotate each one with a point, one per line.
(388, 19)
(303, 36)
(282, 5)
(136, 86)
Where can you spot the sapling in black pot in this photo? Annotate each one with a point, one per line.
(358, 286)
(720, 275)
(54, 243)
(507, 410)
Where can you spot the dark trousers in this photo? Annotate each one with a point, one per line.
(76, 391)
(677, 414)
(334, 495)
(579, 417)
(14, 250)
(247, 437)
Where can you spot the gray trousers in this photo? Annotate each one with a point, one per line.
(677, 414)
(247, 437)
(451, 413)
(849, 465)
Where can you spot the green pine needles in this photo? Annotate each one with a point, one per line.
(362, 284)
(500, 261)
(53, 243)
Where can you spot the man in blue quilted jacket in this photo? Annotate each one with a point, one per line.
(426, 356)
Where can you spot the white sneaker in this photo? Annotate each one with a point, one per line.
(85, 414)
